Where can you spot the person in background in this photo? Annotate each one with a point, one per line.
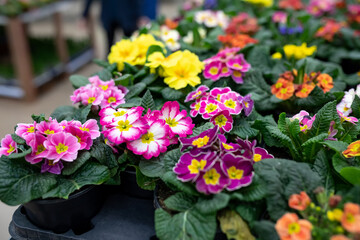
(115, 14)
(148, 11)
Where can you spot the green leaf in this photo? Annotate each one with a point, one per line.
(147, 102)
(265, 230)
(134, 102)
(143, 181)
(81, 114)
(20, 154)
(312, 146)
(244, 130)
(63, 113)
(351, 174)
(324, 170)
(90, 173)
(285, 141)
(152, 168)
(355, 106)
(122, 159)
(135, 90)
(38, 118)
(101, 63)
(180, 202)
(171, 94)
(256, 191)
(186, 225)
(316, 99)
(105, 75)
(339, 162)
(152, 49)
(18, 139)
(71, 167)
(337, 146)
(202, 128)
(124, 80)
(213, 204)
(263, 124)
(284, 178)
(149, 79)
(171, 158)
(323, 119)
(21, 182)
(128, 68)
(103, 153)
(258, 57)
(250, 211)
(170, 179)
(78, 81)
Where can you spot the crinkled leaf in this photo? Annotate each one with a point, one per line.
(17, 139)
(355, 106)
(171, 94)
(324, 170)
(200, 129)
(311, 146)
(63, 113)
(265, 230)
(323, 119)
(170, 179)
(78, 81)
(256, 191)
(71, 167)
(337, 146)
(105, 74)
(171, 158)
(20, 154)
(152, 168)
(143, 181)
(149, 79)
(91, 173)
(135, 90)
(147, 102)
(38, 118)
(21, 182)
(134, 102)
(213, 204)
(180, 201)
(244, 130)
(81, 114)
(103, 153)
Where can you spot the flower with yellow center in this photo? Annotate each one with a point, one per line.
(147, 138)
(61, 148)
(234, 173)
(211, 107)
(353, 150)
(119, 114)
(200, 142)
(196, 166)
(257, 157)
(171, 122)
(221, 120)
(31, 130)
(91, 100)
(230, 103)
(227, 146)
(11, 149)
(155, 60)
(124, 126)
(48, 132)
(211, 177)
(40, 148)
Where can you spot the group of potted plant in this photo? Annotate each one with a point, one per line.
(233, 114)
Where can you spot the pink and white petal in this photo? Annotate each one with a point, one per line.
(153, 150)
(137, 147)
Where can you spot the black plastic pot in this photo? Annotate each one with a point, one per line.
(60, 215)
(130, 187)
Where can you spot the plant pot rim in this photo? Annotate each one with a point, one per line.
(79, 193)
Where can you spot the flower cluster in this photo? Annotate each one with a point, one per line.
(291, 4)
(321, 7)
(345, 105)
(341, 223)
(214, 165)
(100, 93)
(298, 52)
(178, 69)
(264, 3)
(226, 63)
(218, 105)
(286, 85)
(329, 30)
(132, 51)
(243, 24)
(52, 142)
(147, 135)
(212, 19)
(354, 13)
(237, 40)
(279, 17)
(170, 37)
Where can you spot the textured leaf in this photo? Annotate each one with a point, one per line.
(124, 80)
(355, 106)
(78, 81)
(324, 170)
(149, 79)
(244, 130)
(103, 153)
(18, 139)
(134, 102)
(81, 114)
(339, 162)
(323, 119)
(263, 124)
(180, 202)
(283, 178)
(71, 167)
(213, 204)
(337, 146)
(171, 94)
(256, 191)
(20, 154)
(152, 168)
(312, 146)
(285, 141)
(135, 90)
(170, 179)
(38, 118)
(265, 230)
(63, 113)
(21, 182)
(105, 75)
(143, 181)
(171, 158)
(147, 102)
(316, 99)
(186, 225)
(101, 63)
(250, 211)
(90, 173)
(202, 128)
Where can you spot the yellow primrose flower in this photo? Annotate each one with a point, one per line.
(178, 74)
(265, 3)
(276, 55)
(155, 60)
(298, 52)
(132, 51)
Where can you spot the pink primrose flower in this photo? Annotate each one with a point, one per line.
(223, 120)
(212, 71)
(279, 17)
(109, 115)
(197, 94)
(247, 103)
(343, 118)
(209, 108)
(8, 146)
(62, 146)
(38, 149)
(26, 131)
(217, 92)
(49, 127)
(113, 98)
(83, 137)
(238, 63)
(229, 101)
(92, 95)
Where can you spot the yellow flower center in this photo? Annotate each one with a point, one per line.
(227, 146)
(346, 108)
(278, 85)
(211, 107)
(51, 163)
(197, 106)
(124, 126)
(257, 157)
(350, 218)
(200, 142)
(246, 104)
(119, 114)
(61, 148)
(305, 127)
(235, 173)
(104, 87)
(11, 149)
(220, 120)
(211, 177)
(31, 130)
(91, 99)
(224, 70)
(293, 228)
(196, 166)
(171, 122)
(283, 90)
(40, 148)
(78, 138)
(238, 65)
(335, 215)
(197, 94)
(230, 103)
(84, 129)
(48, 132)
(214, 70)
(237, 74)
(147, 138)
(304, 90)
(111, 99)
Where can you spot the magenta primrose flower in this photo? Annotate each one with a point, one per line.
(223, 120)
(202, 141)
(216, 93)
(62, 146)
(227, 147)
(247, 104)
(49, 127)
(213, 180)
(52, 167)
(197, 94)
(212, 71)
(305, 120)
(229, 101)
(343, 118)
(279, 17)
(8, 146)
(38, 149)
(209, 108)
(90, 126)
(26, 131)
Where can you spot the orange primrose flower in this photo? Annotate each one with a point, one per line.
(304, 90)
(353, 150)
(339, 237)
(299, 201)
(290, 227)
(283, 89)
(325, 82)
(351, 218)
(170, 23)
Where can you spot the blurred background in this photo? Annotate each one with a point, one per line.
(57, 43)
